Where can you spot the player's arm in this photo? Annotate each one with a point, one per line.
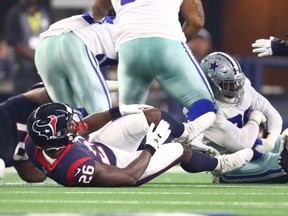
(193, 13)
(112, 85)
(100, 9)
(38, 95)
(274, 119)
(110, 176)
(97, 120)
(27, 171)
(229, 136)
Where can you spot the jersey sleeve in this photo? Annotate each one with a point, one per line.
(81, 172)
(228, 135)
(274, 119)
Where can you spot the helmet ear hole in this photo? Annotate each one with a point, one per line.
(70, 137)
(225, 76)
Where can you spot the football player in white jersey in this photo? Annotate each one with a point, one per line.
(69, 58)
(243, 114)
(152, 45)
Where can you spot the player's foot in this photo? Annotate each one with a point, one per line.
(195, 128)
(283, 152)
(230, 162)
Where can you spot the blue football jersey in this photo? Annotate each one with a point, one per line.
(14, 113)
(76, 164)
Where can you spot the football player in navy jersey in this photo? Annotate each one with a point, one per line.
(14, 113)
(110, 158)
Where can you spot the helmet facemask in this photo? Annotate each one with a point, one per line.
(231, 91)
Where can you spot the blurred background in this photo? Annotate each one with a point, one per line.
(232, 26)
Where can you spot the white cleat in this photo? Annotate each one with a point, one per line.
(230, 162)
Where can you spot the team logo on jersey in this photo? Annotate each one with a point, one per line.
(46, 129)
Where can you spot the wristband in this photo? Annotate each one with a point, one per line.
(150, 149)
(115, 112)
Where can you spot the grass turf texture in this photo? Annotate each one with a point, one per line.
(172, 192)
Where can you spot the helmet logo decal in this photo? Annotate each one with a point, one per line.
(214, 66)
(47, 130)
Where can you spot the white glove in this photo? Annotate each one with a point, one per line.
(267, 144)
(132, 108)
(257, 116)
(155, 138)
(263, 47)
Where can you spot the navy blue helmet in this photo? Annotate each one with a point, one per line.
(54, 125)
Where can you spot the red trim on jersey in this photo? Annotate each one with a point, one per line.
(25, 139)
(72, 169)
(44, 162)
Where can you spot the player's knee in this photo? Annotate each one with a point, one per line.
(153, 115)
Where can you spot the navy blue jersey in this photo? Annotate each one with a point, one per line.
(75, 165)
(13, 117)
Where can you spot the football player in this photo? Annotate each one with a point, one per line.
(147, 41)
(75, 50)
(14, 113)
(111, 158)
(242, 113)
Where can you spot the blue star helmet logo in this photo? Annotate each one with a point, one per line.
(214, 66)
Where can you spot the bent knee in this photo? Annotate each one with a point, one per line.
(153, 115)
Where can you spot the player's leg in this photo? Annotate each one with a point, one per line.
(125, 133)
(129, 131)
(180, 75)
(171, 154)
(134, 73)
(84, 75)
(52, 72)
(262, 170)
(69, 75)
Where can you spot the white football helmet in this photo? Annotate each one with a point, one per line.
(225, 76)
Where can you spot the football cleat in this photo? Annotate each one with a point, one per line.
(283, 156)
(233, 161)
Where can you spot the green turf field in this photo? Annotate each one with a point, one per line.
(172, 192)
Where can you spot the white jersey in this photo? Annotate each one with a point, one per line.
(148, 18)
(99, 38)
(231, 129)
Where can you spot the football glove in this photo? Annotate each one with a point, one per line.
(267, 144)
(264, 46)
(155, 138)
(257, 116)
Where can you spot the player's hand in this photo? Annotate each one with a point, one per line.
(264, 46)
(155, 138)
(257, 116)
(267, 144)
(132, 108)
